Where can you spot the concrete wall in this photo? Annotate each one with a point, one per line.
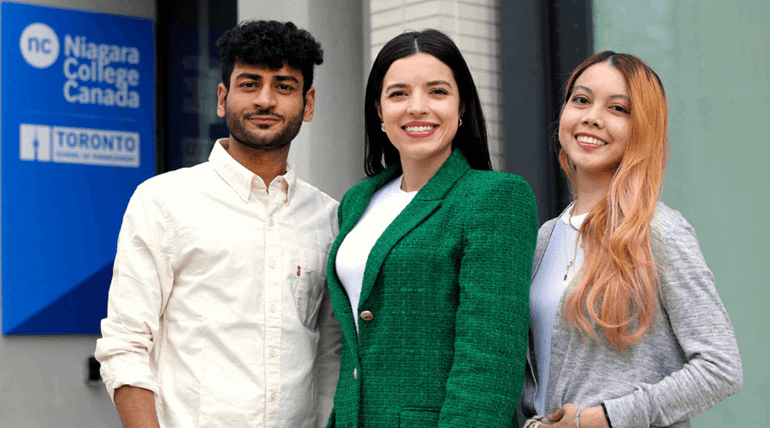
(329, 151)
(713, 60)
(43, 378)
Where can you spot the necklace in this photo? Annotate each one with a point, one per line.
(571, 262)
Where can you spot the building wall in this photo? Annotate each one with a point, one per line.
(474, 25)
(43, 378)
(713, 60)
(329, 151)
(135, 8)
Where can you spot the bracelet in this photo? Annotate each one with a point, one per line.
(577, 416)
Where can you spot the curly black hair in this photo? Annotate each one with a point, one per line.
(270, 44)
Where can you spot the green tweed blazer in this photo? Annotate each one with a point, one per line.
(446, 290)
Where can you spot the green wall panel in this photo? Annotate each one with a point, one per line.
(714, 59)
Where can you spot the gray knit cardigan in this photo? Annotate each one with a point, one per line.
(687, 363)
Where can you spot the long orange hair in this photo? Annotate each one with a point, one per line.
(617, 290)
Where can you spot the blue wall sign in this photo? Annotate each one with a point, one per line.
(78, 136)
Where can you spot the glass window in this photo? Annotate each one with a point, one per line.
(188, 75)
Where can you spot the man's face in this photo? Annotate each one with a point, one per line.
(264, 108)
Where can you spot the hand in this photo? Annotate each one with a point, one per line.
(564, 417)
(592, 417)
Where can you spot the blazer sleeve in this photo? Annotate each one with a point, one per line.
(492, 322)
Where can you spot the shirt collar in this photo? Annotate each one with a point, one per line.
(244, 181)
(573, 220)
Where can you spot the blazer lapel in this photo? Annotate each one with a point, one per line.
(358, 202)
(354, 208)
(410, 217)
(427, 200)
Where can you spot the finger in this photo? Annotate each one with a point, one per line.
(557, 415)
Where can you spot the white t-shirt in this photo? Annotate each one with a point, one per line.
(545, 293)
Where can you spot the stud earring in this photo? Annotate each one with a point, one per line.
(460, 124)
(382, 126)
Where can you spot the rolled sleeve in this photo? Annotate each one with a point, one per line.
(141, 283)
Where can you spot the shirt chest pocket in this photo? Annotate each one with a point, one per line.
(307, 286)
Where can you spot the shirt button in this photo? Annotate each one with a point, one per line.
(272, 308)
(271, 264)
(366, 316)
(270, 223)
(355, 373)
(272, 352)
(272, 397)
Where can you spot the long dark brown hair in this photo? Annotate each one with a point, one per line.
(471, 137)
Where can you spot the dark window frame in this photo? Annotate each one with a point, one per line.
(543, 41)
(170, 13)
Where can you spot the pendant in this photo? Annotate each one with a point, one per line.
(571, 262)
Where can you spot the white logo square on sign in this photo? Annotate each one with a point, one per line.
(35, 142)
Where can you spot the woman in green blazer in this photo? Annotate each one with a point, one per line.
(429, 276)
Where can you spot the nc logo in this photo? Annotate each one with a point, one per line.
(35, 142)
(39, 45)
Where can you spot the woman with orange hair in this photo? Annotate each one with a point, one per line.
(627, 328)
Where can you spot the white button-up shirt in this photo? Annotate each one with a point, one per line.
(218, 302)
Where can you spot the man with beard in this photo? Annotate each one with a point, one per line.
(219, 314)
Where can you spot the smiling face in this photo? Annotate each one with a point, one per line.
(420, 108)
(264, 108)
(595, 124)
